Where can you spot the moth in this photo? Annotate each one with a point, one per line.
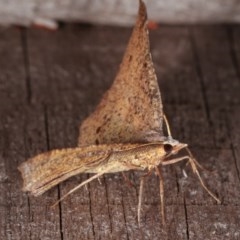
(124, 133)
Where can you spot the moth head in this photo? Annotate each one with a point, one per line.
(172, 146)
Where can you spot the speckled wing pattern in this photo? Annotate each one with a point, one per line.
(46, 170)
(131, 110)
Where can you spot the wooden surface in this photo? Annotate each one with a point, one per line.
(50, 81)
(117, 12)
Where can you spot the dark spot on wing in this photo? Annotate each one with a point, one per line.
(98, 129)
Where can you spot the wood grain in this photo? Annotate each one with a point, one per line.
(50, 81)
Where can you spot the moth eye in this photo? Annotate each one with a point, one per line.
(168, 148)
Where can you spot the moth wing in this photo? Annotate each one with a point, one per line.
(46, 170)
(131, 110)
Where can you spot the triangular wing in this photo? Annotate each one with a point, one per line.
(131, 110)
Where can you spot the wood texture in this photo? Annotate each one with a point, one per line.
(50, 81)
(116, 12)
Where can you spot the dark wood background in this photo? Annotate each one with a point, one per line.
(50, 81)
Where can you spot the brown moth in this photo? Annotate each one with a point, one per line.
(124, 133)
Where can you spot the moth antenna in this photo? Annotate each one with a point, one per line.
(78, 186)
(161, 191)
(194, 165)
(167, 125)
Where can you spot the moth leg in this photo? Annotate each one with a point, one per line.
(197, 163)
(194, 163)
(147, 174)
(79, 186)
(140, 200)
(140, 196)
(130, 167)
(99, 180)
(195, 170)
(161, 190)
(175, 160)
(127, 180)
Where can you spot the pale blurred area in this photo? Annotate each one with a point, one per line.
(117, 12)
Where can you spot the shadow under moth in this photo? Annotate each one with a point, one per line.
(124, 133)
